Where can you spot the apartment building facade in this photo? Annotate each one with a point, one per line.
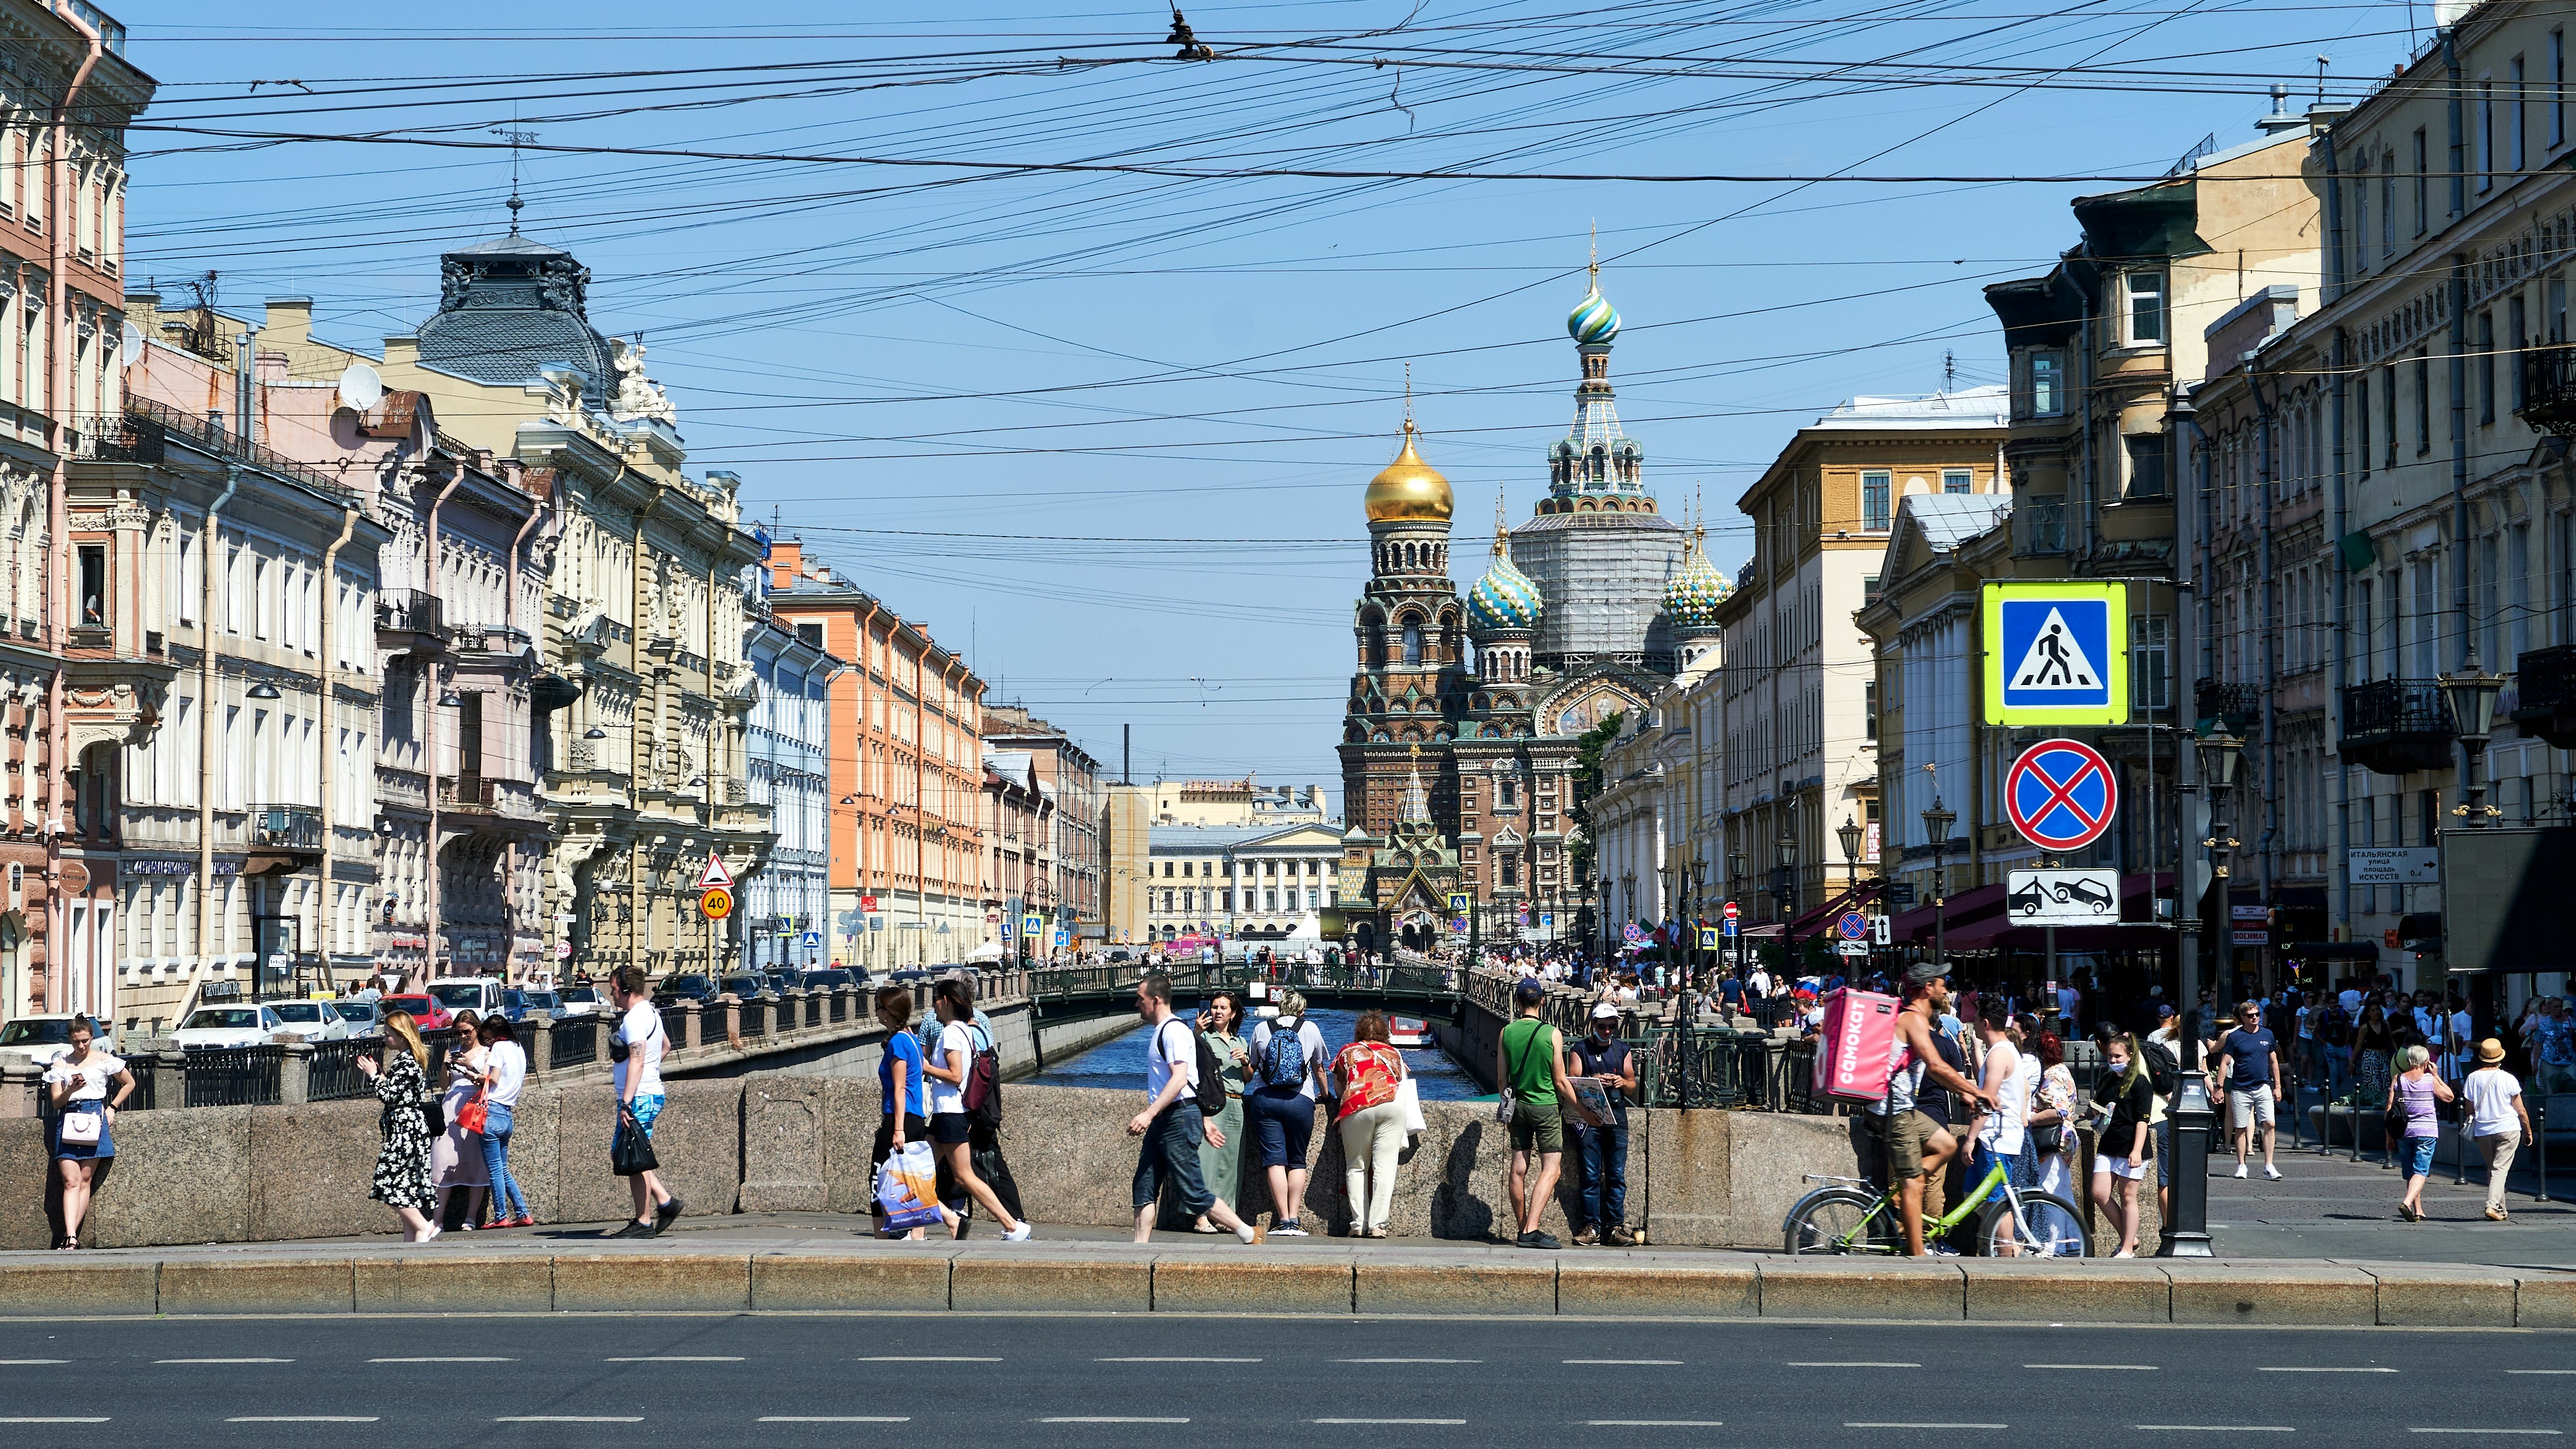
(787, 904)
(1077, 838)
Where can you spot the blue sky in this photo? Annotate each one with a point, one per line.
(1108, 431)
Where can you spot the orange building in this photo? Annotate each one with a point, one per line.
(910, 880)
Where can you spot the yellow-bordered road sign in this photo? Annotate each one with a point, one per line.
(2057, 652)
(717, 903)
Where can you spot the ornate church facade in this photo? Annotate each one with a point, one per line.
(1458, 739)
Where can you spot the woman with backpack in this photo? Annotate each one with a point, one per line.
(1221, 1161)
(1288, 1059)
(950, 1130)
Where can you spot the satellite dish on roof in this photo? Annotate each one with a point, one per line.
(360, 388)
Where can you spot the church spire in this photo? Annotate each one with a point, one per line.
(1417, 806)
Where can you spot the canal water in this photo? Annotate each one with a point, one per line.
(1120, 1064)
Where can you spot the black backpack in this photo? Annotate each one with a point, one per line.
(2164, 1070)
(1211, 1088)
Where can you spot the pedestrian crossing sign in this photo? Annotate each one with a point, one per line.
(2055, 652)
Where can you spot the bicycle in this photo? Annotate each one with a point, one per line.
(1853, 1220)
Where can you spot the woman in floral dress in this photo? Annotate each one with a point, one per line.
(402, 1164)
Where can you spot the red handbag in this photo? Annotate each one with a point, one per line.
(474, 1113)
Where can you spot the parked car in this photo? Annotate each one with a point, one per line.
(826, 980)
(312, 1020)
(359, 1017)
(425, 1011)
(36, 1040)
(478, 994)
(516, 1004)
(744, 988)
(211, 1028)
(581, 1001)
(687, 986)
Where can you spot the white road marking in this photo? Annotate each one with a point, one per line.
(570, 1419)
(1627, 1362)
(53, 1419)
(302, 1419)
(2551, 1433)
(1372, 1422)
(1654, 1423)
(1103, 1419)
(2510, 1371)
(223, 1360)
(1408, 1360)
(26, 1362)
(678, 1358)
(2147, 1368)
(2303, 1369)
(434, 1358)
(2217, 1428)
(1849, 1424)
(836, 1418)
(1824, 1363)
(927, 1358)
(1148, 1358)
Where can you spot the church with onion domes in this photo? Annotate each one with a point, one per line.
(1459, 736)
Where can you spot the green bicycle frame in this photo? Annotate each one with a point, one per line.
(1936, 1228)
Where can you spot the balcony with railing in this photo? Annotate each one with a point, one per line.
(410, 621)
(2545, 694)
(282, 834)
(2236, 708)
(148, 427)
(2397, 726)
(2549, 389)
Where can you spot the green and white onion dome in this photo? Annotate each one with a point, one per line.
(1505, 598)
(1691, 600)
(1593, 322)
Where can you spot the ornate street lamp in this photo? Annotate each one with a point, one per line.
(1936, 830)
(1849, 831)
(2472, 693)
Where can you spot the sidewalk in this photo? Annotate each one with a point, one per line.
(828, 1263)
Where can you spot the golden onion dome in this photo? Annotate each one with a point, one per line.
(1410, 490)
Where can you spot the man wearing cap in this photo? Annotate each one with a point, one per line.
(1601, 1149)
(1529, 1062)
(2497, 1119)
(1918, 1146)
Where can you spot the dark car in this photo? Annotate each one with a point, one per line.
(2072, 891)
(744, 988)
(687, 986)
(516, 1003)
(826, 980)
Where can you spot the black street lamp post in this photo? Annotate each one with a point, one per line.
(1936, 831)
(2186, 1229)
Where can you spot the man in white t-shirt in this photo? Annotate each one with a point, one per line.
(2497, 1119)
(2002, 1132)
(1171, 1123)
(637, 1046)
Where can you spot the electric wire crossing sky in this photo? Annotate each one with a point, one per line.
(2053, 653)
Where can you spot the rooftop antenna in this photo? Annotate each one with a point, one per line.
(516, 138)
(1949, 371)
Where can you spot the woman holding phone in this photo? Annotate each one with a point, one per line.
(77, 1084)
(402, 1163)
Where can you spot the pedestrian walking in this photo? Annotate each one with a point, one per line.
(401, 1084)
(1371, 1122)
(2373, 1051)
(1221, 1022)
(2002, 1134)
(77, 1085)
(1601, 1148)
(1288, 1057)
(636, 1048)
(1529, 1063)
(456, 1155)
(2417, 1092)
(2249, 1075)
(2126, 1099)
(904, 1103)
(947, 1069)
(1171, 1124)
(2497, 1119)
(505, 1073)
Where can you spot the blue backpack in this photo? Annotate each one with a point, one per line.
(1283, 1056)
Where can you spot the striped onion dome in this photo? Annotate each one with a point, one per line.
(1505, 598)
(1692, 598)
(1593, 320)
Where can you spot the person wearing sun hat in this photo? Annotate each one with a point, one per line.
(2497, 1119)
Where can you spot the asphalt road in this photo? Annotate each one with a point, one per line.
(797, 1380)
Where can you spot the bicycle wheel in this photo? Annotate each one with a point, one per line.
(2049, 1228)
(1838, 1220)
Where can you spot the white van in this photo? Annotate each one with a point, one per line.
(478, 994)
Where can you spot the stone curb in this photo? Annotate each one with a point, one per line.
(1395, 1283)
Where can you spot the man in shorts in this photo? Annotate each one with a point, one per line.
(2249, 1076)
(1170, 1125)
(1919, 1148)
(1529, 1061)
